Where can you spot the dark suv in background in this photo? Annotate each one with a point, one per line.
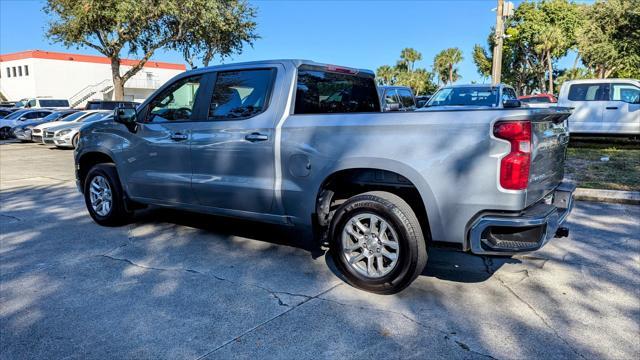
(109, 105)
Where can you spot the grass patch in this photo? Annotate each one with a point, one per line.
(621, 172)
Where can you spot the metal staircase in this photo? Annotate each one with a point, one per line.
(86, 93)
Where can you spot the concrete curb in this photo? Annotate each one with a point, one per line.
(609, 196)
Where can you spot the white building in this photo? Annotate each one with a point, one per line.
(79, 78)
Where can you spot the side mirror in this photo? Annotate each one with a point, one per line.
(392, 107)
(126, 116)
(511, 103)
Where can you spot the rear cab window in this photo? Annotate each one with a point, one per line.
(324, 90)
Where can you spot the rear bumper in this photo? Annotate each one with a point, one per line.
(524, 231)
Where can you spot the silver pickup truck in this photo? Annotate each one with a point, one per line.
(306, 145)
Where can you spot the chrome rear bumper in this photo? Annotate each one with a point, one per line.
(528, 230)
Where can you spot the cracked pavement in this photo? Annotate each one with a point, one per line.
(180, 285)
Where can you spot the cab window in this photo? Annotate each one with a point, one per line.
(241, 94)
(176, 103)
(390, 97)
(625, 92)
(406, 99)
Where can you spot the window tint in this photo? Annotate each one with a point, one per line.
(465, 96)
(8, 72)
(26, 70)
(588, 92)
(32, 115)
(241, 94)
(19, 70)
(93, 117)
(536, 100)
(176, 102)
(54, 103)
(14, 71)
(391, 97)
(75, 116)
(509, 94)
(406, 99)
(625, 92)
(320, 92)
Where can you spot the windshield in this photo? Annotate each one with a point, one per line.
(465, 96)
(93, 117)
(16, 114)
(76, 116)
(54, 103)
(536, 100)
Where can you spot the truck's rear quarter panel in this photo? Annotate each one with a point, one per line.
(448, 155)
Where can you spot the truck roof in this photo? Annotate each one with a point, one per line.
(475, 85)
(600, 81)
(293, 62)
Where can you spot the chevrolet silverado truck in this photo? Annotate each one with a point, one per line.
(306, 145)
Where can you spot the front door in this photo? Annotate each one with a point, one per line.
(232, 152)
(622, 112)
(157, 159)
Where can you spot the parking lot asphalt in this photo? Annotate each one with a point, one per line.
(179, 285)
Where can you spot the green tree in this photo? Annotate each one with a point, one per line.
(609, 41)
(542, 32)
(140, 27)
(409, 56)
(386, 75)
(223, 30)
(445, 62)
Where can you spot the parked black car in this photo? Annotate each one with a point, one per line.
(109, 104)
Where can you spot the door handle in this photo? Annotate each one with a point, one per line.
(256, 137)
(612, 108)
(179, 136)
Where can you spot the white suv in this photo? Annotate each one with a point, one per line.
(602, 106)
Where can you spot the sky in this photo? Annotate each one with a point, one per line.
(362, 34)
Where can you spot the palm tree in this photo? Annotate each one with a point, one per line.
(409, 57)
(548, 41)
(386, 75)
(444, 64)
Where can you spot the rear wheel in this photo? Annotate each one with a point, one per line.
(377, 242)
(103, 196)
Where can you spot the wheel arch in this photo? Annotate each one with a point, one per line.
(88, 160)
(387, 175)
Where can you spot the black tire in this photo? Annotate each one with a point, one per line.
(118, 214)
(74, 141)
(397, 213)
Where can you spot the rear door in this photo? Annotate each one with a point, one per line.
(157, 159)
(588, 102)
(622, 111)
(232, 149)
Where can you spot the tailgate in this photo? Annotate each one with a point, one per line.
(550, 137)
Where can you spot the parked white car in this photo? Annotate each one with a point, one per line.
(43, 102)
(602, 106)
(20, 118)
(66, 135)
(37, 131)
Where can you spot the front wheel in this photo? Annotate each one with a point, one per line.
(103, 196)
(377, 242)
(74, 141)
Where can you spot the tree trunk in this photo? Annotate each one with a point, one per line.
(450, 73)
(550, 68)
(118, 84)
(542, 82)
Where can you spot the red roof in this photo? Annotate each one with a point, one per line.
(51, 55)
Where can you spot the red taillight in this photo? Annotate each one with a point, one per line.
(342, 70)
(514, 167)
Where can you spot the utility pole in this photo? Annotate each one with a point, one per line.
(496, 69)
